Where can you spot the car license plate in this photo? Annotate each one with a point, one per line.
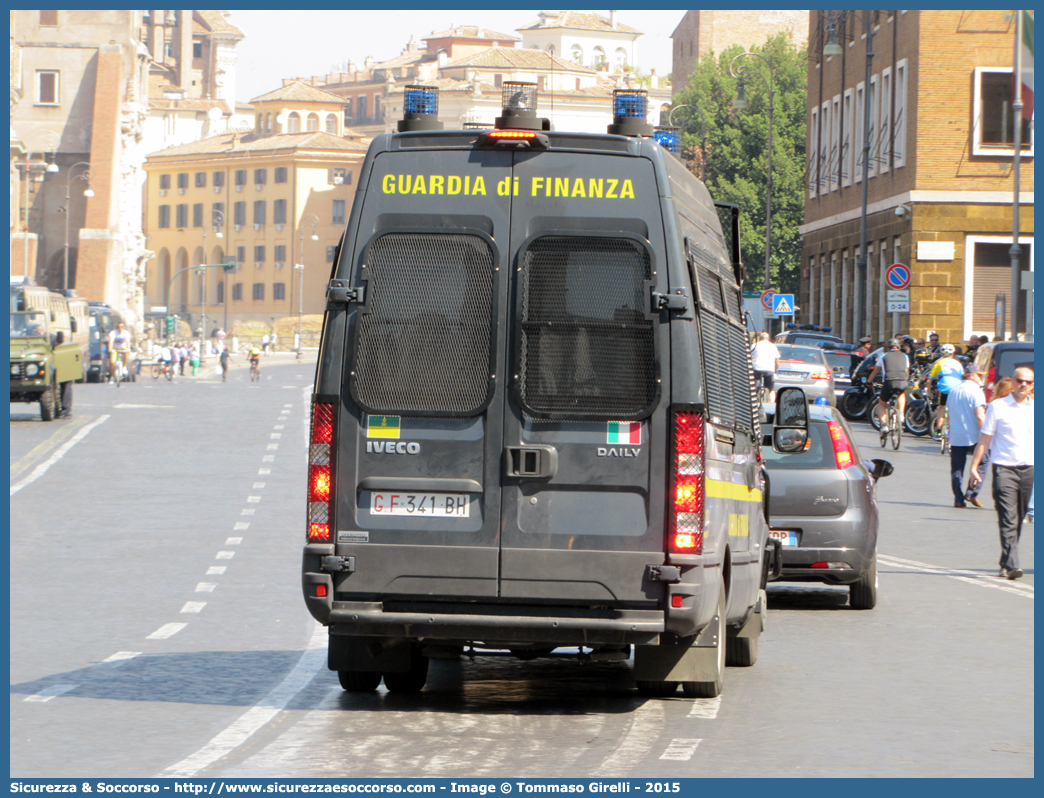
(455, 505)
(789, 537)
(790, 375)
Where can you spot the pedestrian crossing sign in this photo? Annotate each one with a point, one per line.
(783, 304)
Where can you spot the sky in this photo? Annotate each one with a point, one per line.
(286, 44)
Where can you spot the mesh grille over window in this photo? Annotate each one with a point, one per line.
(586, 346)
(425, 335)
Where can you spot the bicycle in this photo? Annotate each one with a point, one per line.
(944, 432)
(893, 426)
(165, 368)
(119, 371)
(255, 371)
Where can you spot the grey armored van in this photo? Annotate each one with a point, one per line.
(533, 422)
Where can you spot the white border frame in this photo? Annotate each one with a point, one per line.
(969, 276)
(978, 148)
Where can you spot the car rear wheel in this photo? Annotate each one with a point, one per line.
(411, 681)
(712, 689)
(862, 595)
(359, 681)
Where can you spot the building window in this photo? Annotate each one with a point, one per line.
(885, 124)
(201, 179)
(197, 215)
(813, 153)
(336, 176)
(577, 53)
(293, 123)
(988, 259)
(181, 221)
(278, 291)
(834, 178)
(338, 211)
(824, 148)
(164, 216)
(280, 174)
(331, 253)
(598, 60)
(48, 19)
(260, 177)
(857, 131)
(875, 114)
(362, 109)
(241, 177)
(240, 257)
(312, 123)
(182, 181)
(259, 292)
(498, 80)
(197, 49)
(347, 111)
(377, 115)
(237, 291)
(259, 256)
(164, 182)
(993, 131)
(279, 213)
(280, 253)
(47, 87)
(846, 144)
(259, 212)
(899, 122)
(620, 59)
(331, 124)
(219, 179)
(220, 291)
(239, 214)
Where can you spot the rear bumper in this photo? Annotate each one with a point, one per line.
(850, 538)
(812, 390)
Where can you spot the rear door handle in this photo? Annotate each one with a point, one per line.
(530, 462)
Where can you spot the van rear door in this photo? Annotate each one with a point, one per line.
(585, 415)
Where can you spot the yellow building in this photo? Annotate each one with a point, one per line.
(266, 199)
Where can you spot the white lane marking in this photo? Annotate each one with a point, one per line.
(705, 708)
(164, 407)
(279, 426)
(273, 446)
(287, 405)
(312, 661)
(225, 555)
(216, 570)
(974, 574)
(262, 471)
(268, 458)
(1026, 591)
(241, 525)
(117, 659)
(253, 499)
(194, 606)
(206, 587)
(246, 511)
(259, 485)
(50, 692)
(41, 469)
(646, 725)
(276, 435)
(167, 630)
(680, 750)
(290, 386)
(233, 541)
(282, 418)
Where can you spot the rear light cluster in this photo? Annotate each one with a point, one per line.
(820, 375)
(688, 488)
(991, 381)
(320, 473)
(844, 455)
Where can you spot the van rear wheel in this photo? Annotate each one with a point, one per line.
(656, 689)
(411, 681)
(741, 652)
(712, 689)
(359, 681)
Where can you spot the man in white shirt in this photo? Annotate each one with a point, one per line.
(967, 406)
(765, 357)
(1008, 433)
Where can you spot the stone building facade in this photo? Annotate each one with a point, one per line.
(702, 32)
(939, 193)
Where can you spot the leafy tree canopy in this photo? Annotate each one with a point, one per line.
(728, 148)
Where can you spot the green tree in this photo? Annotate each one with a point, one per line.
(728, 149)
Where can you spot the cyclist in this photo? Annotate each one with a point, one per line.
(895, 366)
(765, 357)
(255, 358)
(946, 374)
(119, 346)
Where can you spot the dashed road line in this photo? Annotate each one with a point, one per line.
(279, 426)
(206, 587)
(41, 469)
(262, 471)
(167, 630)
(259, 485)
(117, 659)
(247, 511)
(241, 525)
(970, 577)
(233, 541)
(268, 458)
(275, 435)
(253, 499)
(50, 692)
(216, 570)
(273, 446)
(194, 606)
(225, 555)
(681, 750)
(706, 708)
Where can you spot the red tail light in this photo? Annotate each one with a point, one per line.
(320, 472)
(844, 455)
(991, 381)
(688, 489)
(511, 134)
(820, 375)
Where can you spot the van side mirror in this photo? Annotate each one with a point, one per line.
(882, 468)
(59, 337)
(73, 326)
(790, 427)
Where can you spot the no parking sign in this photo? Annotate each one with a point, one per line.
(898, 276)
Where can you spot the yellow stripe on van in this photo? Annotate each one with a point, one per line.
(720, 489)
(739, 526)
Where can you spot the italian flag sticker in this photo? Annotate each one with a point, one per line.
(382, 426)
(624, 432)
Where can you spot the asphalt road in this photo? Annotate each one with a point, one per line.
(157, 628)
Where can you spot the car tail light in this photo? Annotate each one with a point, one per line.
(687, 488)
(991, 380)
(820, 375)
(844, 455)
(320, 472)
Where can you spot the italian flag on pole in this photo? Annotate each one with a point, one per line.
(1027, 65)
(624, 432)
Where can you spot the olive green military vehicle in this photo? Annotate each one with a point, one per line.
(43, 363)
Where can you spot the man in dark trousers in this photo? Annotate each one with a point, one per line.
(967, 409)
(1008, 433)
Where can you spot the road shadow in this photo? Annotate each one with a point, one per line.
(807, 597)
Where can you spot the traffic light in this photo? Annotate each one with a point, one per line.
(171, 321)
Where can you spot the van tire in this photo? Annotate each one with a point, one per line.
(359, 681)
(411, 681)
(49, 403)
(741, 652)
(656, 689)
(713, 688)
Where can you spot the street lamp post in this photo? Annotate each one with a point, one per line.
(742, 72)
(833, 48)
(217, 218)
(314, 221)
(700, 129)
(85, 175)
(51, 167)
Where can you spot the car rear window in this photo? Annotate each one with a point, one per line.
(801, 355)
(839, 363)
(1011, 359)
(819, 454)
(811, 340)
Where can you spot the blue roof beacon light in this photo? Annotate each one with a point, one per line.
(667, 137)
(420, 109)
(630, 109)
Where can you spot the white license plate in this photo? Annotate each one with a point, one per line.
(790, 375)
(789, 537)
(454, 505)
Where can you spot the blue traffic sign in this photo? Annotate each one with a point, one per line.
(898, 276)
(783, 304)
